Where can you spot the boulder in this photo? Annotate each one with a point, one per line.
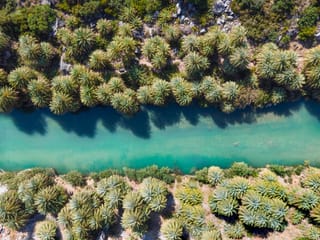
(219, 7)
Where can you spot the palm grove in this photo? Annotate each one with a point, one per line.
(236, 202)
(123, 64)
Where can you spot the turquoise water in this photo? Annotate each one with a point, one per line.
(186, 138)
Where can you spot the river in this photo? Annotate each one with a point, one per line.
(186, 138)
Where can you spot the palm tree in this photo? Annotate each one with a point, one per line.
(99, 60)
(195, 64)
(171, 33)
(151, 188)
(237, 187)
(315, 214)
(225, 46)
(114, 198)
(65, 84)
(278, 95)
(12, 211)
(125, 102)
(266, 63)
(20, 77)
(210, 41)
(3, 77)
(248, 217)
(122, 49)
(235, 231)
(88, 96)
(182, 91)
(230, 90)
(144, 94)
(125, 30)
(29, 50)
(306, 200)
(190, 43)
(312, 181)
(156, 50)
(212, 234)
(116, 85)
(297, 216)
(50, 200)
(252, 200)
(104, 94)
(65, 36)
(46, 230)
(114, 182)
(227, 207)
(158, 203)
(40, 92)
(84, 76)
(132, 200)
(133, 219)
(271, 189)
(189, 195)
(8, 99)
(83, 40)
(172, 229)
(290, 79)
(4, 41)
(211, 89)
(240, 58)
(160, 91)
(48, 52)
(313, 233)
(105, 27)
(65, 217)
(96, 220)
(238, 36)
(62, 103)
(215, 175)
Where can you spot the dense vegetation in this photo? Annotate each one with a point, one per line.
(124, 54)
(235, 202)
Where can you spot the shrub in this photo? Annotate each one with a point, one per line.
(241, 169)
(75, 178)
(307, 23)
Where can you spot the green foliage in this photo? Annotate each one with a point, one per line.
(40, 18)
(195, 64)
(190, 195)
(296, 216)
(172, 229)
(235, 231)
(75, 178)
(8, 99)
(241, 169)
(46, 230)
(307, 23)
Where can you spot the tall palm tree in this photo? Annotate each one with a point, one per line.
(190, 43)
(227, 207)
(172, 229)
(151, 188)
(4, 41)
(105, 27)
(114, 182)
(3, 77)
(65, 84)
(306, 200)
(252, 200)
(29, 50)
(65, 217)
(104, 94)
(235, 231)
(171, 33)
(238, 36)
(144, 94)
(125, 102)
(12, 211)
(88, 96)
(237, 187)
(240, 58)
(46, 230)
(195, 64)
(99, 60)
(133, 219)
(210, 41)
(84, 76)
(50, 200)
(122, 49)
(116, 85)
(62, 103)
(212, 234)
(83, 40)
(315, 214)
(133, 200)
(230, 90)
(266, 63)
(225, 45)
(20, 77)
(182, 91)
(8, 99)
(215, 175)
(189, 195)
(40, 92)
(48, 52)
(160, 91)
(312, 181)
(156, 50)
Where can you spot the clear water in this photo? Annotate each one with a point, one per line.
(186, 138)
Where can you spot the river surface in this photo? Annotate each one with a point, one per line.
(187, 138)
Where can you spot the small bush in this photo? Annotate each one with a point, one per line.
(241, 169)
(75, 178)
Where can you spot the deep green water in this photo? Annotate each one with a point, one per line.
(186, 138)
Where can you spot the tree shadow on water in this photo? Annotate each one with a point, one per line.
(313, 108)
(30, 122)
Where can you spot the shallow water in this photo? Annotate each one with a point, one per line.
(186, 138)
